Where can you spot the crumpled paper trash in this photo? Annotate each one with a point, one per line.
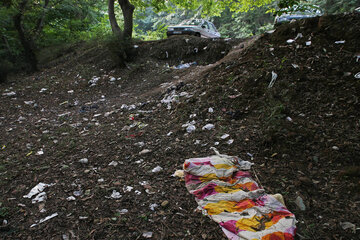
(228, 195)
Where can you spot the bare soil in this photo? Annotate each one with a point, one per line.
(302, 133)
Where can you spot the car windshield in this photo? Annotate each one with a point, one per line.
(194, 22)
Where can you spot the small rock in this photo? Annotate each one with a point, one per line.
(336, 148)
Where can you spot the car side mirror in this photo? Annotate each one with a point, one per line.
(203, 26)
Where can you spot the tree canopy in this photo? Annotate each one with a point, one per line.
(28, 26)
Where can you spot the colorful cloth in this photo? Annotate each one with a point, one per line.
(229, 196)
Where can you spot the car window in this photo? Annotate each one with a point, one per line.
(206, 25)
(212, 27)
(194, 22)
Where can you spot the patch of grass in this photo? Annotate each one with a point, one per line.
(4, 212)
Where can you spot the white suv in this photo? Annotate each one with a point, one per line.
(196, 27)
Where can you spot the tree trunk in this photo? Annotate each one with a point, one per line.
(127, 10)
(112, 18)
(25, 42)
(40, 22)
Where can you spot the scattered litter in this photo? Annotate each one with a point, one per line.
(340, 42)
(289, 119)
(239, 209)
(357, 75)
(290, 41)
(100, 180)
(216, 143)
(29, 102)
(9, 94)
(190, 128)
(178, 173)
(348, 225)
(143, 183)
(112, 79)
(41, 152)
(115, 195)
(336, 148)
(113, 163)
(71, 91)
(230, 141)
(225, 136)
(37, 189)
(165, 203)
(192, 115)
(308, 43)
(210, 110)
(122, 211)
(169, 133)
(295, 65)
(108, 113)
(83, 217)
(299, 35)
(157, 169)
(45, 219)
(184, 65)
(43, 90)
(137, 192)
(208, 126)
(147, 234)
(71, 198)
(139, 161)
(41, 197)
(92, 82)
(128, 188)
(78, 193)
(300, 203)
(273, 79)
(153, 206)
(145, 151)
(139, 144)
(84, 160)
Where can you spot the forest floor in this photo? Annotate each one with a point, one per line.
(95, 133)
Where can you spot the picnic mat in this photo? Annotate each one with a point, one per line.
(225, 191)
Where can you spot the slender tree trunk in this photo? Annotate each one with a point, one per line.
(128, 11)
(112, 18)
(25, 42)
(40, 22)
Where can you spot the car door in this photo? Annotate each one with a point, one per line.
(214, 33)
(205, 29)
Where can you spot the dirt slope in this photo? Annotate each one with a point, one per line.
(302, 133)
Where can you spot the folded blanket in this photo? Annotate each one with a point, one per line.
(227, 194)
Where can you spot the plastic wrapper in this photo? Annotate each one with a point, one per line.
(227, 194)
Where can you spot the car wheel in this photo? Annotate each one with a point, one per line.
(197, 34)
